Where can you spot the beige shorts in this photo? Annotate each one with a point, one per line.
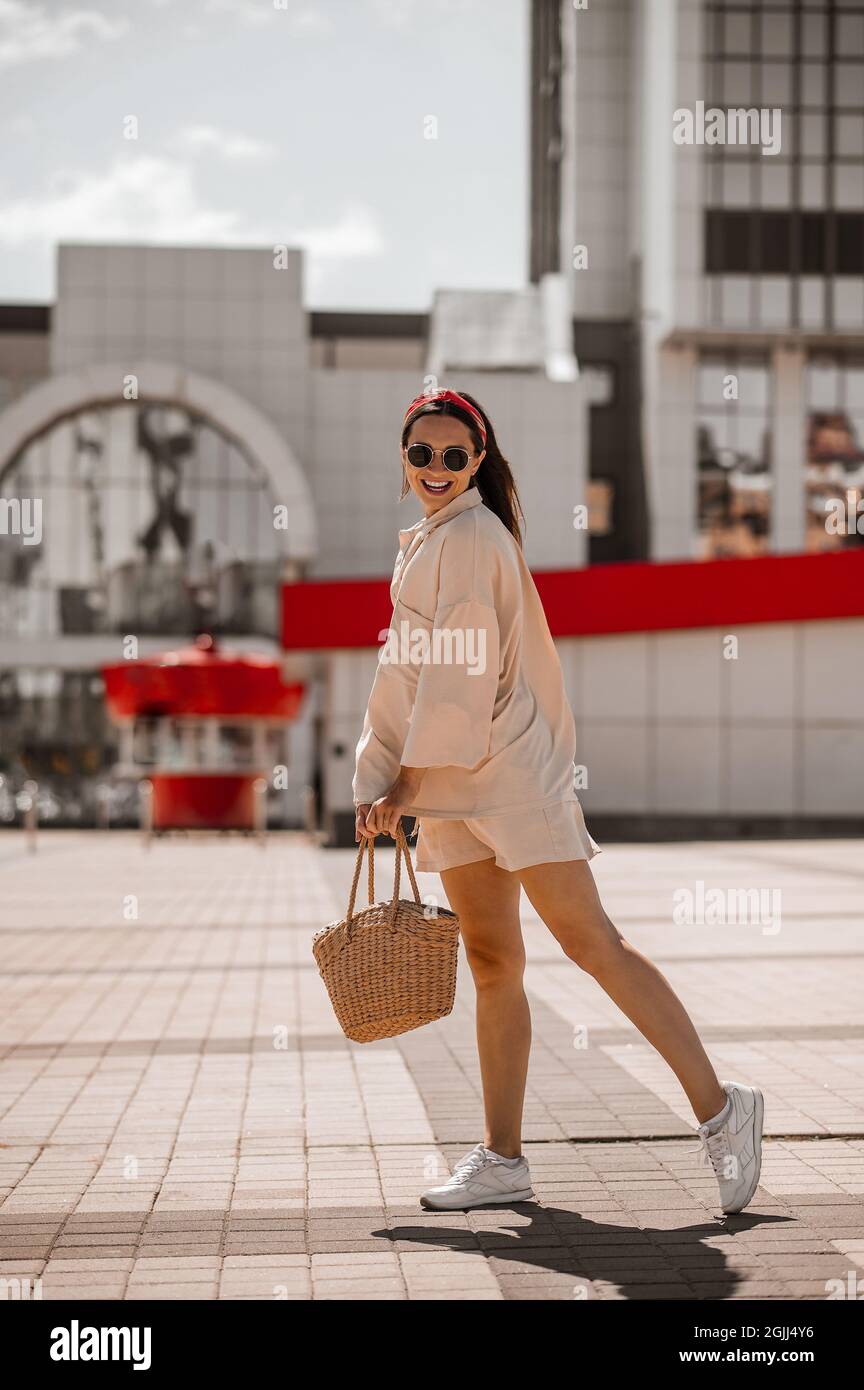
(515, 841)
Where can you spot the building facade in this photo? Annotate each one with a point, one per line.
(199, 443)
(684, 367)
(711, 211)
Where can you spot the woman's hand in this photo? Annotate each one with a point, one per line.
(385, 814)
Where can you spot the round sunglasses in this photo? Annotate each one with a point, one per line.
(454, 458)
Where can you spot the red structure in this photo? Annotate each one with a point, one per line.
(196, 723)
(641, 596)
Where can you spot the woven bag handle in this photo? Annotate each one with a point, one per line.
(402, 848)
(364, 842)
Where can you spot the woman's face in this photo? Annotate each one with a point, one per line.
(435, 485)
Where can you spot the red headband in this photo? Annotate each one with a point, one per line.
(455, 399)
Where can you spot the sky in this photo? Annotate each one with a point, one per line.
(262, 122)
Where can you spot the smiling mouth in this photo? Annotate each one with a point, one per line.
(436, 489)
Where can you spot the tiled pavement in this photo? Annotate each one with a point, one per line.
(182, 1118)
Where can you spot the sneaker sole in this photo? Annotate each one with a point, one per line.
(503, 1199)
(759, 1110)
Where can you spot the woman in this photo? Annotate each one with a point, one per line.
(469, 729)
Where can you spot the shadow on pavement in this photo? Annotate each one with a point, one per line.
(642, 1262)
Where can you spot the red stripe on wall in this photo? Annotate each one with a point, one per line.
(638, 597)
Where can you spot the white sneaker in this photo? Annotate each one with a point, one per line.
(734, 1151)
(480, 1180)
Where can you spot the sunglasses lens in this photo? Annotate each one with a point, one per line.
(455, 459)
(419, 455)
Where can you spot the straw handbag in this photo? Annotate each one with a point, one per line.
(390, 967)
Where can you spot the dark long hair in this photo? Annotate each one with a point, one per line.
(493, 477)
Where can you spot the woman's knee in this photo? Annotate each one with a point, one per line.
(493, 964)
(595, 946)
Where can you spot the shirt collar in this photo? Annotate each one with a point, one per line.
(469, 498)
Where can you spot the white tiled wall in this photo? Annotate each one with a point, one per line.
(688, 168)
(231, 316)
(355, 417)
(778, 730)
(667, 726)
(600, 160)
(227, 313)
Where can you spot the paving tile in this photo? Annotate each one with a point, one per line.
(183, 1118)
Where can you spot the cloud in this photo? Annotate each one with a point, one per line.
(250, 11)
(146, 199)
(141, 199)
(30, 32)
(22, 124)
(356, 233)
(403, 14)
(207, 138)
(312, 21)
(301, 19)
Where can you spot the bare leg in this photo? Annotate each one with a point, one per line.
(486, 899)
(566, 897)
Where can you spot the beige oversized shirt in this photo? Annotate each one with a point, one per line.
(469, 684)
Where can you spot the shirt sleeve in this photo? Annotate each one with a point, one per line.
(433, 697)
(457, 684)
(376, 765)
(388, 713)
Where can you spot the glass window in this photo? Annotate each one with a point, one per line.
(775, 242)
(711, 377)
(850, 34)
(776, 85)
(849, 134)
(164, 526)
(822, 383)
(753, 387)
(737, 33)
(776, 35)
(813, 84)
(813, 134)
(735, 300)
(733, 455)
(750, 434)
(775, 301)
(796, 215)
(812, 301)
(236, 742)
(737, 84)
(776, 184)
(737, 184)
(849, 193)
(849, 84)
(834, 441)
(812, 183)
(814, 34)
(854, 387)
